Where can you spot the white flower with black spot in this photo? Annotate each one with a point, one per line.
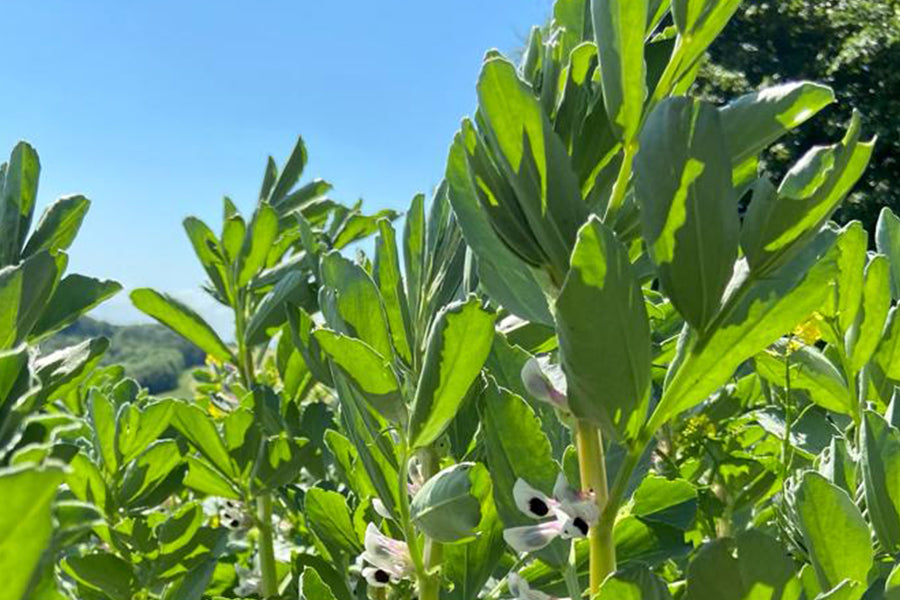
(388, 559)
(568, 514)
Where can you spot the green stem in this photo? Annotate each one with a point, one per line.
(430, 589)
(409, 532)
(617, 196)
(266, 543)
(268, 576)
(593, 478)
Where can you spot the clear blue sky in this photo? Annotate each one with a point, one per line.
(156, 109)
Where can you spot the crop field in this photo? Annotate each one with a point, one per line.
(616, 355)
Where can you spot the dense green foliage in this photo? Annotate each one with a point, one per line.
(151, 354)
(852, 46)
(586, 369)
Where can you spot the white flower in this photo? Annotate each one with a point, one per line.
(545, 382)
(571, 514)
(249, 581)
(520, 589)
(388, 559)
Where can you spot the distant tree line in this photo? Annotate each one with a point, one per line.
(151, 354)
(851, 45)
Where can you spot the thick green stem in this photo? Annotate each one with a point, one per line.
(430, 588)
(268, 576)
(593, 478)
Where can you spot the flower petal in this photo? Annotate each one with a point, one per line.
(531, 501)
(532, 537)
(574, 527)
(378, 577)
(576, 503)
(386, 553)
(540, 386)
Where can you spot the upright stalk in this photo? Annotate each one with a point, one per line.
(266, 543)
(268, 577)
(593, 478)
(430, 588)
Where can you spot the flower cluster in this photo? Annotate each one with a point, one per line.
(388, 560)
(568, 514)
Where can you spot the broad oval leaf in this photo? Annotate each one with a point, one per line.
(834, 531)
(457, 347)
(448, 506)
(368, 370)
(604, 334)
(619, 29)
(688, 210)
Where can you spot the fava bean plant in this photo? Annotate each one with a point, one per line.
(606, 359)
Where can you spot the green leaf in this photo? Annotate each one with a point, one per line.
(863, 337)
(58, 225)
(699, 22)
(851, 265)
(633, 583)
(103, 572)
(754, 566)
(756, 120)
(448, 506)
(604, 334)
(389, 280)
(17, 199)
(887, 355)
(207, 480)
(457, 347)
(810, 370)
(834, 532)
(290, 173)
(469, 566)
(365, 431)
(502, 273)
(892, 585)
(137, 428)
(414, 253)
(75, 296)
(201, 432)
(688, 209)
(26, 523)
(270, 312)
(533, 160)
(619, 29)
(25, 290)
(358, 308)
(301, 325)
(210, 254)
(517, 448)
(881, 475)
(313, 587)
(756, 313)
(183, 320)
(258, 240)
(149, 469)
(887, 240)
(328, 515)
(671, 502)
(63, 370)
(102, 413)
(776, 225)
(371, 373)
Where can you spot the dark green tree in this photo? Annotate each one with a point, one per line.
(851, 45)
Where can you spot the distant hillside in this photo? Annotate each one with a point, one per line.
(151, 354)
